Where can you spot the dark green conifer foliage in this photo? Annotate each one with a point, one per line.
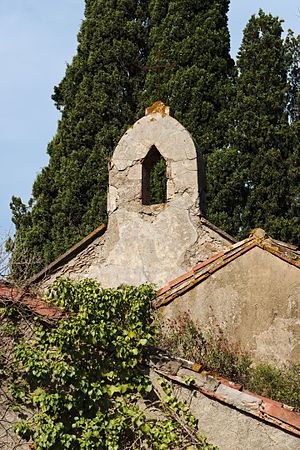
(292, 229)
(227, 188)
(158, 182)
(247, 129)
(192, 36)
(262, 133)
(98, 100)
(292, 44)
(253, 174)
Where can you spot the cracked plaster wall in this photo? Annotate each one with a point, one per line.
(255, 300)
(149, 243)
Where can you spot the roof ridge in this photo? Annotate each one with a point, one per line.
(202, 270)
(218, 230)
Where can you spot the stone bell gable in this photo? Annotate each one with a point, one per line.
(146, 242)
(156, 134)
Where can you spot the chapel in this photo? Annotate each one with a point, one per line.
(250, 289)
(247, 290)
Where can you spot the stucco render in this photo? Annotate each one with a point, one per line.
(149, 243)
(255, 300)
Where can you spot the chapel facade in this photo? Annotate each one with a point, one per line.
(250, 290)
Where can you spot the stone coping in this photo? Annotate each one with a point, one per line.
(222, 390)
(67, 256)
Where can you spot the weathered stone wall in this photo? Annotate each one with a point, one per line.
(231, 429)
(255, 300)
(149, 243)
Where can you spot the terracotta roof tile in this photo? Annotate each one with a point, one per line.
(234, 395)
(181, 278)
(19, 297)
(204, 269)
(208, 261)
(280, 412)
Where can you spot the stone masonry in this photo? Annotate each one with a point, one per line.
(149, 243)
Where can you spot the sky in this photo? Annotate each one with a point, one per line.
(37, 39)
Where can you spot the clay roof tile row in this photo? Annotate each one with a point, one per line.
(203, 270)
(226, 392)
(19, 297)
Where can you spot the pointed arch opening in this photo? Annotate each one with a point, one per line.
(154, 178)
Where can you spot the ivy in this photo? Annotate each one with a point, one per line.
(84, 381)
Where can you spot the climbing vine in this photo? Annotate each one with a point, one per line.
(84, 379)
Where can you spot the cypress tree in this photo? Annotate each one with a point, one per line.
(194, 42)
(256, 187)
(292, 46)
(97, 99)
(227, 188)
(292, 228)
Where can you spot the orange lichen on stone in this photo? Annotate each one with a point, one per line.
(258, 233)
(158, 108)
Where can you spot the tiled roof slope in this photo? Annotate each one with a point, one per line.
(258, 238)
(19, 297)
(68, 255)
(224, 391)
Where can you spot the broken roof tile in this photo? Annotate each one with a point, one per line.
(233, 395)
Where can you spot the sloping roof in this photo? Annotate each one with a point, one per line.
(224, 391)
(218, 230)
(67, 256)
(10, 295)
(258, 238)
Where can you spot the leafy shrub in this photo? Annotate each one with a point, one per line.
(279, 384)
(84, 378)
(184, 337)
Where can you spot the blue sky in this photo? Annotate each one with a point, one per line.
(37, 39)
